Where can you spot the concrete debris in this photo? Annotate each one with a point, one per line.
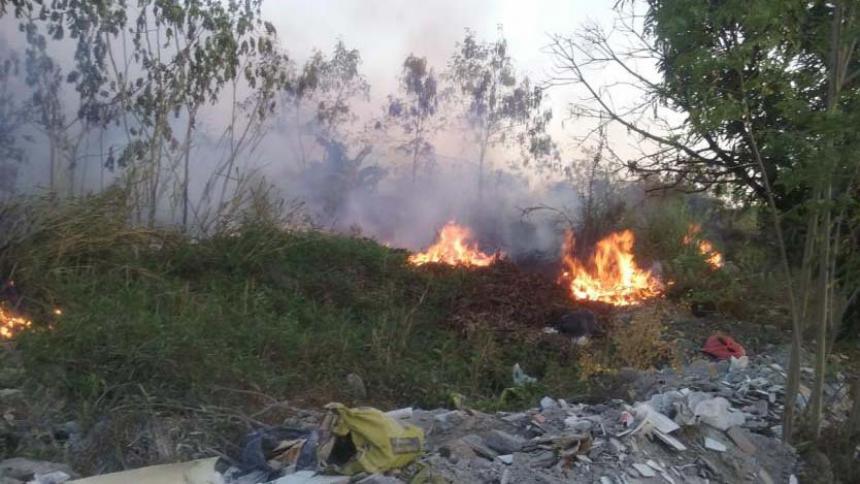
(714, 444)
(644, 470)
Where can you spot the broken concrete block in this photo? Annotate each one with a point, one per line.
(644, 470)
(503, 442)
(478, 445)
(740, 437)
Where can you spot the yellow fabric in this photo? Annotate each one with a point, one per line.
(381, 442)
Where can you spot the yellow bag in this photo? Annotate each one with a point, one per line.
(364, 439)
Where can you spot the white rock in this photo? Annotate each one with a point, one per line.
(507, 459)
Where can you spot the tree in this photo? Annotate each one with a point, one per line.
(14, 115)
(415, 114)
(499, 109)
(322, 95)
(762, 99)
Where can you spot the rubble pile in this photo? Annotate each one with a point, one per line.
(711, 422)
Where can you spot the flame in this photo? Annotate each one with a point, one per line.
(10, 324)
(611, 275)
(454, 247)
(713, 257)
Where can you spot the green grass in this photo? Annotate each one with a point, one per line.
(158, 315)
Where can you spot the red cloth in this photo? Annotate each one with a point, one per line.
(723, 347)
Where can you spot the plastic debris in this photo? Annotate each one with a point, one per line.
(520, 376)
(723, 347)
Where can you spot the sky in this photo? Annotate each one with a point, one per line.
(386, 31)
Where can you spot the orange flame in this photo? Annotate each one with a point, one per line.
(713, 257)
(10, 324)
(454, 247)
(611, 275)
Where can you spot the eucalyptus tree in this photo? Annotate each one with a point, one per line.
(415, 115)
(500, 108)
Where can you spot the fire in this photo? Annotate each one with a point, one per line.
(454, 246)
(713, 257)
(611, 275)
(10, 324)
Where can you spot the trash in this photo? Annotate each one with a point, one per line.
(547, 403)
(270, 450)
(577, 324)
(400, 413)
(200, 471)
(310, 477)
(737, 364)
(717, 413)
(627, 419)
(655, 419)
(507, 459)
(644, 470)
(578, 424)
(365, 439)
(714, 444)
(520, 376)
(24, 469)
(723, 347)
(355, 386)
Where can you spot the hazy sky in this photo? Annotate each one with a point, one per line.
(386, 31)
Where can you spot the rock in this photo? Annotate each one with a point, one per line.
(457, 451)
(448, 420)
(400, 413)
(670, 441)
(506, 459)
(27, 469)
(714, 444)
(478, 445)
(56, 477)
(717, 413)
(740, 437)
(356, 387)
(578, 425)
(547, 403)
(644, 470)
(503, 442)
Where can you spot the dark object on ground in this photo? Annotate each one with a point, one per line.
(577, 324)
(703, 309)
(261, 444)
(723, 347)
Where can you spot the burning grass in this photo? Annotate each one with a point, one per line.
(455, 246)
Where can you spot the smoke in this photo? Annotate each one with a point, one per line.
(342, 185)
